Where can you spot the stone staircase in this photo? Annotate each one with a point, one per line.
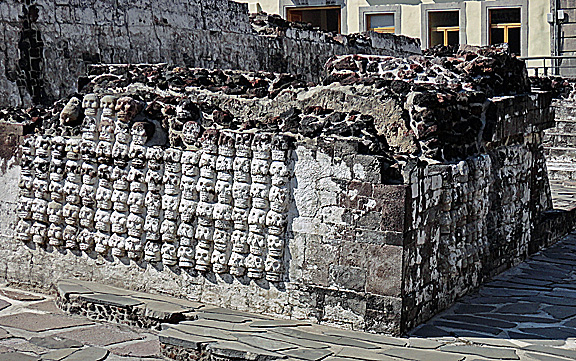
(560, 143)
(560, 151)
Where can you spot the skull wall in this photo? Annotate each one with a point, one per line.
(218, 203)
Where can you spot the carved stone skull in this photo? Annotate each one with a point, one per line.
(90, 103)
(186, 257)
(108, 105)
(71, 112)
(127, 108)
(152, 252)
(169, 254)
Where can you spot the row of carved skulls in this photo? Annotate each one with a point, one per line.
(224, 186)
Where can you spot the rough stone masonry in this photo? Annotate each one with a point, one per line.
(369, 202)
(46, 44)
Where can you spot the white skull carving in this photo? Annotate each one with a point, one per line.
(118, 220)
(153, 204)
(86, 216)
(152, 252)
(104, 198)
(135, 224)
(224, 191)
(90, 103)
(255, 265)
(39, 210)
(136, 202)
(55, 235)
(152, 228)
(120, 200)
(169, 254)
(205, 188)
(190, 133)
(102, 220)
(108, 105)
(170, 206)
(203, 256)
(275, 245)
(219, 260)
(186, 257)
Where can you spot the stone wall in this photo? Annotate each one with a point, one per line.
(344, 206)
(48, 44)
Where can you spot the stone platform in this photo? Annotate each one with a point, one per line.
(527, 313)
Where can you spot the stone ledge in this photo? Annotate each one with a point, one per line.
(103, 303)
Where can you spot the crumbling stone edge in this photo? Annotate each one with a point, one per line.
(126, 315)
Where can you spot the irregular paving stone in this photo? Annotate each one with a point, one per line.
(100, 288)
(40, 322)
(561, 312)
(492, 341)
(225, 311)
(20, 296)
(342, 341)
(480, 321)
(364, 336)
(512, 285)
(278, 323)
(424, 343)
(226, 326)
(472, 308)
(541, 357)
(307, 354)
(64, 289)
(22, 345)
(139, 349)
(499, 353)
(204, 332)
(293, 340)
(520, 308)
(519, 318)
(112, 300)
(101, 335)
(236, 350)
(163, 310)
(46, 306)
(17, 356)
(430, 331)
(467, 327)
(570, 354)
(54, 342)
(4, 304)
(174, 337)
(417, 354)
(360, 354)
(90, 353)
(553, 300)
(551, 332)
(58, 355)
(505, 292)
(223, 317)
(161, 298)
(265, 343)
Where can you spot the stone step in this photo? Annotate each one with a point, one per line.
(565, 140)
(560, 154)
(105, 303)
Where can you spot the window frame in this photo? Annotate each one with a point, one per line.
(286, 5)
(425, 34)
(308, 8)
(506, 4)
(365, 11)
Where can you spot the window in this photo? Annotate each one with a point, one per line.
(443, 28)
(380, 23)
(325, 18)
(505, 27)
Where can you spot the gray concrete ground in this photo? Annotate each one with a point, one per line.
(527, 313)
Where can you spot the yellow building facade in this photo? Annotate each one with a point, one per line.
(521, 23)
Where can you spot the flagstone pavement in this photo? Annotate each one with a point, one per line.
(527, 313)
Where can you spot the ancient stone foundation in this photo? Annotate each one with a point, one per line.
(370, 202)
(48, 44)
